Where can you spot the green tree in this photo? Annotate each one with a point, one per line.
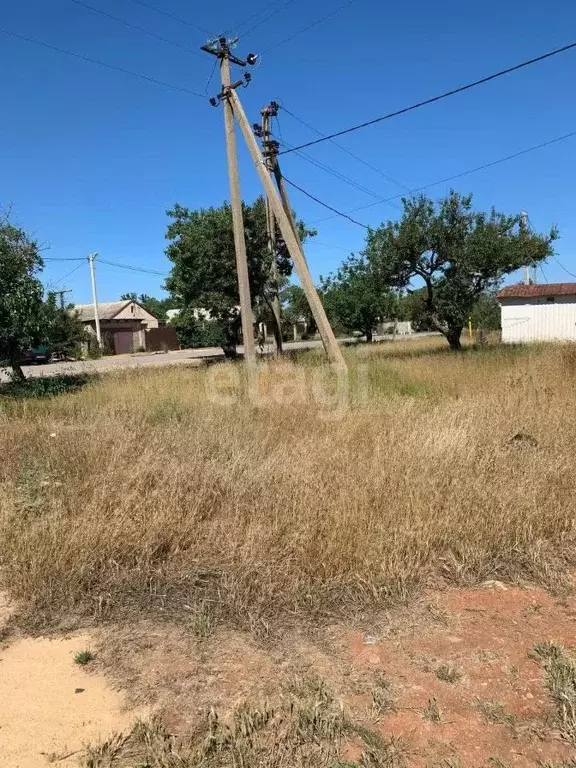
(63, 331)
(295, 309)
(354, 300)
(458, 253)
(486, 312)
(21, 307)
(201, 248)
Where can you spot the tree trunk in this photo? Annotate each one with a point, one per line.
(453, 338)
(369, 335)
(17, 372)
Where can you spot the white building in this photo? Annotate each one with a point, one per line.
(538, 312)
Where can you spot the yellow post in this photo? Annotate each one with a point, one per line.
(469, 327)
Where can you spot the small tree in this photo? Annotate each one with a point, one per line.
(63, 330)
(354, 299)
(201, 249)
(21, 307)
(457, 253)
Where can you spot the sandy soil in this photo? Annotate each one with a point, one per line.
(50, 707)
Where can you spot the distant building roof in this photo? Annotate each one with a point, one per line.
(106, 311)
(533, 291)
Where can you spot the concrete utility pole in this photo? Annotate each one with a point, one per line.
(524, 228)
(91, 260)
(271, 160)
(222, 51)
(282, 212)
(61, 294)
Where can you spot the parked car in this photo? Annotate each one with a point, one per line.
(37, 356)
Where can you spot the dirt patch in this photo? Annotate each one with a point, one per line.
(50, 707)
(449, 678)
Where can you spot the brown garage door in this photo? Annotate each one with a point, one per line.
(123, 342)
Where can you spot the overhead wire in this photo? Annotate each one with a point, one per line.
(469, 171)
(435, 99)
(347, 151)
(99, 63)
(133, 268)
(60, 280)
(255, 15)
(267, 18)
(310, 26)
(557, 260)
(171, 16)
(136, 27)
(325, 205)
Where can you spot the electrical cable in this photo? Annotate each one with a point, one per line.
(563, 267)
(267, 18)
(543, 274)
(434, 99)
(211, 76)
(310, 26)
(56, 258)
(55, 282)
(132, 268)
(325, 205)
(136, 27)
(240, 24)
(101, 63)
(469, 171)
(347, 151)
(171, 16)
(344, 178)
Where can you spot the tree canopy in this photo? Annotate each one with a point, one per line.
(21, 296)
(201, 248)
(354, 300)
(458, 253)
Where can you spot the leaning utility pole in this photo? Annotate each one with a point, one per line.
(91, 260)
(283, 214)
(270, 159)
(221, 49)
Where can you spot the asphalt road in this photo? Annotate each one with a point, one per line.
(180, 357)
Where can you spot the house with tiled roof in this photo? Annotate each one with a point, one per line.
(123, 324)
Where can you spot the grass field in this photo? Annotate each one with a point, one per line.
(292, 496)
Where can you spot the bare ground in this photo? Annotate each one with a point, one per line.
(449, 680)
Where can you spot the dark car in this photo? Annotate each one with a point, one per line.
(37, 356)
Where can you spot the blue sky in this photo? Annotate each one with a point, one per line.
(91, 158)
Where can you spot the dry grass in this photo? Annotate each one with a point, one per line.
(172, 488)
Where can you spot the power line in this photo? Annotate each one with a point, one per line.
(434, 99)
(310, 26)
(101, 63)
(132, 268)
(563, 267)
(171, 16)
(55, 282)
(267, 18)
(348, 152)
(343, 177)
(240, 24)
(325, 205)
(56, 258)
(469, 171)
(136, 27)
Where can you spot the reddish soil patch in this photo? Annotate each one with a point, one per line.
(487, 637)
(496, 711)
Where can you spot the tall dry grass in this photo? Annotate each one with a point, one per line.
(185, 490)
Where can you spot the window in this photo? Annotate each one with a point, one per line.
(550, 299)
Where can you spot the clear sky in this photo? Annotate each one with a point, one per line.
(91, 158)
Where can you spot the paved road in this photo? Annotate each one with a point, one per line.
(180, 357)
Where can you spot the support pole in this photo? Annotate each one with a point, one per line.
(287, 228)
(271, 227)
(91, 260)
(237, 217)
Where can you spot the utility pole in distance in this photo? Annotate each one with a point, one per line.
(290, 235)
(91, 260)
(270, 158)
(221, 49)
(61, 294)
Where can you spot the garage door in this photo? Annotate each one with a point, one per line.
(123, 342)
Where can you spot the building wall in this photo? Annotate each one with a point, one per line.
(136, 312)
(538, 319)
